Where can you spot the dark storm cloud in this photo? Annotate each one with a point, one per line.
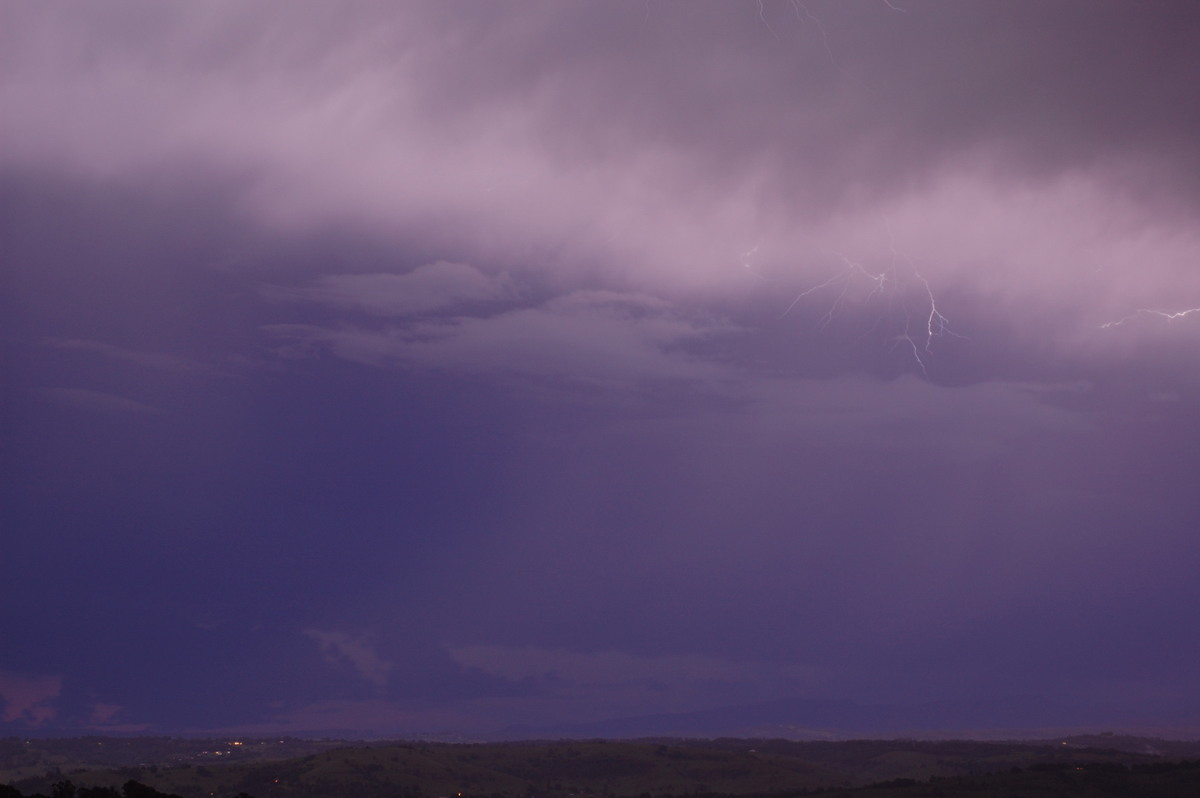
(656, 143)
(432, 365)
(593, 336)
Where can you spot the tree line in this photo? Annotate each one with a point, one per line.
(67, 789)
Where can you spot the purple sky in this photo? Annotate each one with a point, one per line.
(454, 365)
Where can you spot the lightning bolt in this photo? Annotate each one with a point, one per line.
(1169, 315)
(843, 276)
(896, 285)
(747, 259)
(762, 17)
(888, 3)
(936, 325)
(799, 6)
(916, 352)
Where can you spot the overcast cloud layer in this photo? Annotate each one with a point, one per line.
(411, 367)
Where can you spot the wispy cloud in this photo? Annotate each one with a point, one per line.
(154, 360)
(99, 401)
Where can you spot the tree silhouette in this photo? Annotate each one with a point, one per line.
(97, 792)
(135, 789)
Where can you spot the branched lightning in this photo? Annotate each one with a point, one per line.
(1169, 315)
(798, 7)
(889, 4)
(936, 325)
(842, 276)
(896, 284)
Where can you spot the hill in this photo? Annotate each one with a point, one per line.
(637, 769)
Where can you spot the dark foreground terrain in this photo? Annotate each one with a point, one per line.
(156, 767)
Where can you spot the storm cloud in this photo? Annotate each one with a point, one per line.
(451, 366)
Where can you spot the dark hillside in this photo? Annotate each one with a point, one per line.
(641, 769)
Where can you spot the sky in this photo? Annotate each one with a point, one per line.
(408, 368)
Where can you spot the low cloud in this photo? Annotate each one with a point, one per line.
(600, 337)
(357, 651)
(29, 698)
(425, 289)
(104, 714)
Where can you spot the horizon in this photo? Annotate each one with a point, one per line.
(1073, 738)
(466, 366)
(665, 767)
